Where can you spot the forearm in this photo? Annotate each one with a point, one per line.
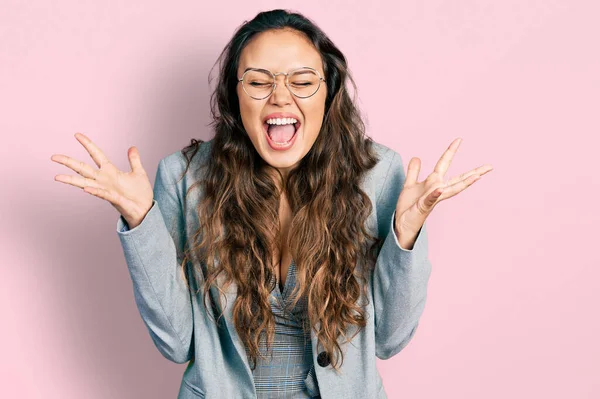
(399, 291)
(160, 292)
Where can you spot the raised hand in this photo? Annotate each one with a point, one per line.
(129, 192)
(417, 199)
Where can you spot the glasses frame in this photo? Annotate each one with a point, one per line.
(287, 83)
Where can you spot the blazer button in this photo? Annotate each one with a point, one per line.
(323, 359)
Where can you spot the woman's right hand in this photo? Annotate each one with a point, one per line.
(129, 192)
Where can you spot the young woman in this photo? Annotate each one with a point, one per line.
(281, 257)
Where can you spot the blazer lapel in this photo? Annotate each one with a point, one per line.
(230, 297)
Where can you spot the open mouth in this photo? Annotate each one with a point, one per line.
(266, 128)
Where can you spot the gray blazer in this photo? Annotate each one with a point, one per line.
(183, 332)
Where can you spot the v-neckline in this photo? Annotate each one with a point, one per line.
(283, 290)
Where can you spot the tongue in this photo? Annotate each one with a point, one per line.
(281, 133)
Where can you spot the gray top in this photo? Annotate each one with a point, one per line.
(289, 372)
(184, 331)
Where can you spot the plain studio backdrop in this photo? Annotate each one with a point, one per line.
(513, 301)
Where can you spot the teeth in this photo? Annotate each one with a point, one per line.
(285, 142)
(281, 121)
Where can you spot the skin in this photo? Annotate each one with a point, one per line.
(281, 51)
(130, 192)
(418, 199)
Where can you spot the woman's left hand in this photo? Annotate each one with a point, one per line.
(417, 199)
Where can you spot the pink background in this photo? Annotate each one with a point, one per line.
(513, 300)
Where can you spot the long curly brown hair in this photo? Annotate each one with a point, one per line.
(238, 215)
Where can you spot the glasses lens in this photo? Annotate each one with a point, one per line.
(304, 82)
(258, 84)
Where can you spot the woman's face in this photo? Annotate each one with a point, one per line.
(281, 51)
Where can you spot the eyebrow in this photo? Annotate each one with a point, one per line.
(250, 68)
(265, 69)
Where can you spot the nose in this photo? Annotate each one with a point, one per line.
(281, 95)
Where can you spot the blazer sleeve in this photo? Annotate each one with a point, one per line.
(153, 254)
(400, 277)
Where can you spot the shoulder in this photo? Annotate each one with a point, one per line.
(388, 158)
(173, 174)
(385, 172)
(175, 163)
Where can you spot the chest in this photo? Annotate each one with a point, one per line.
(283, 257)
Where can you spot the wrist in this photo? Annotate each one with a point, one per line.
(406, 237)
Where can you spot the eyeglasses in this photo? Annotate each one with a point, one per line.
(260, 83)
